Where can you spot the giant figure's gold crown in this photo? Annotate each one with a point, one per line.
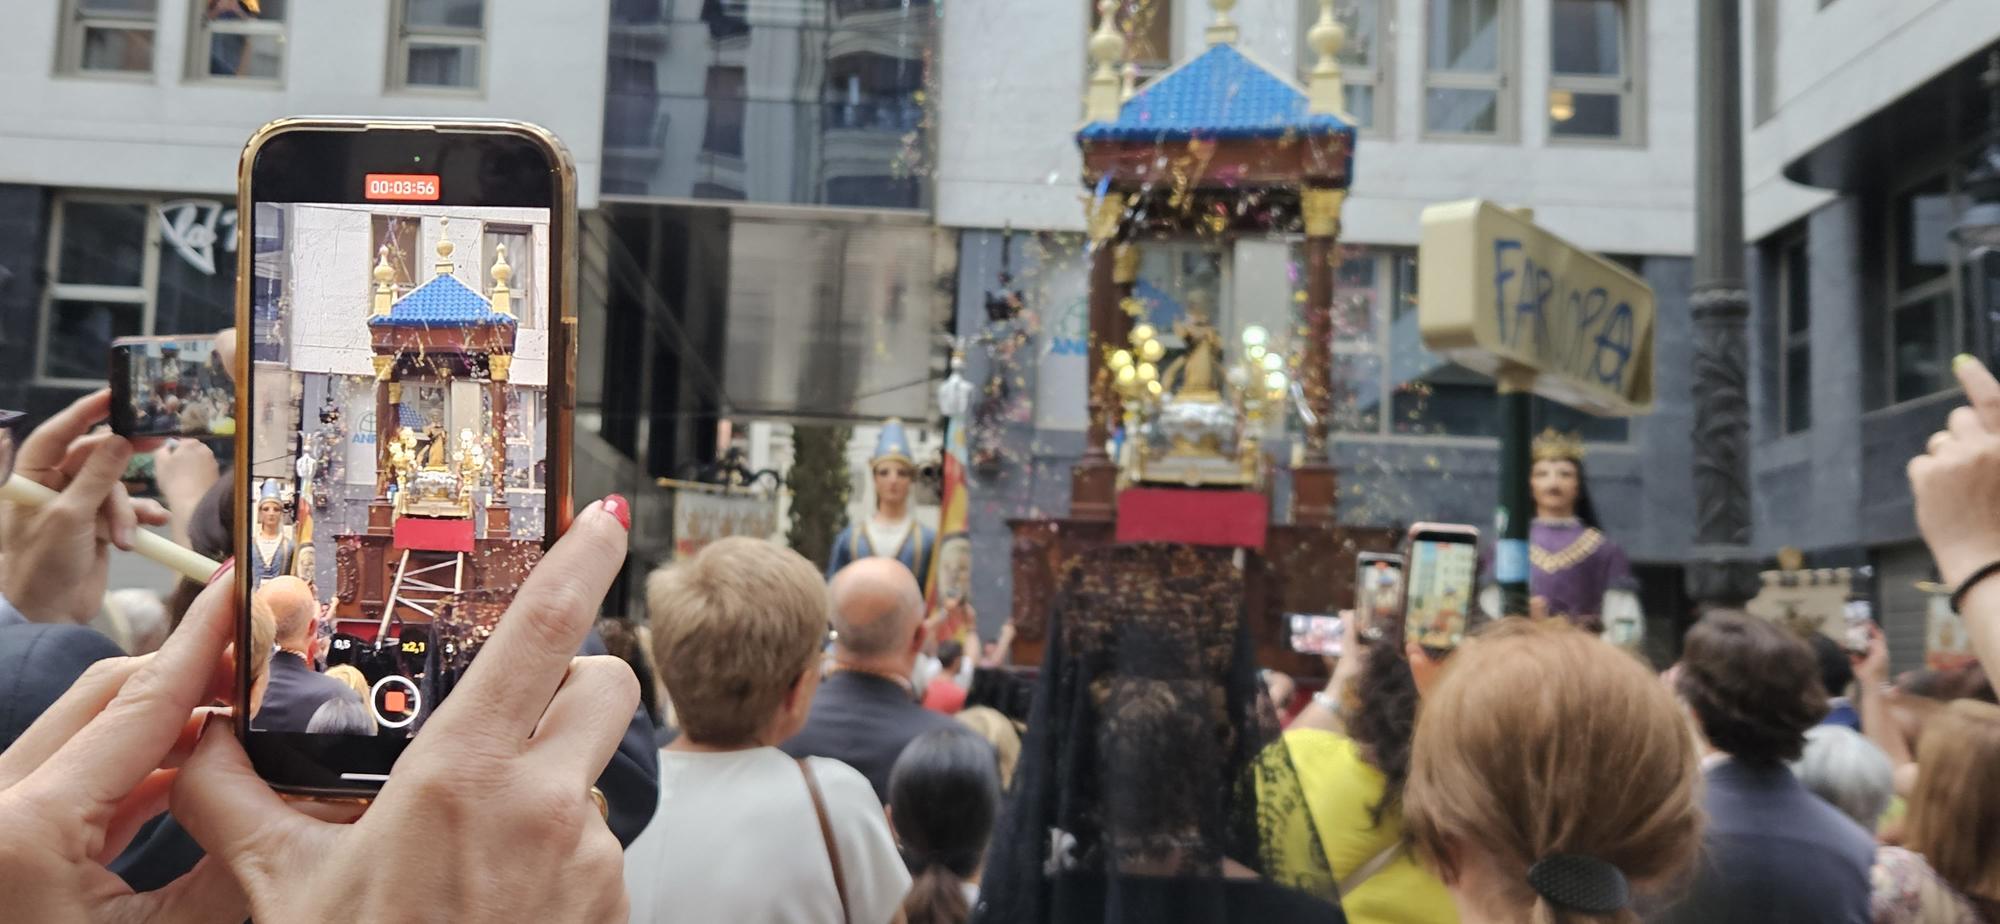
(1552, 446)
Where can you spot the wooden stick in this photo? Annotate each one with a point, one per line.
(181, 559)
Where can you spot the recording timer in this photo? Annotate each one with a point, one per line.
(402, 187)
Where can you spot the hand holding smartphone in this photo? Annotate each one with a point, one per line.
(404, 454)
(1442, 562)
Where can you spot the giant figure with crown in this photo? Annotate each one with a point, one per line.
(1576, 572)
(892, 531)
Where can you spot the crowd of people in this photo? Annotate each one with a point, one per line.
(824, 758)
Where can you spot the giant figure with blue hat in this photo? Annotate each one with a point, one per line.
(271, 546)
(892, 532)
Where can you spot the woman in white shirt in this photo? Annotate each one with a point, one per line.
(744, 833)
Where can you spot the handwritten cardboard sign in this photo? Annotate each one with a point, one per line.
(1498, 291)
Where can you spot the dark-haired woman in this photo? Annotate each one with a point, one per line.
(944, 793)
(1350, 749)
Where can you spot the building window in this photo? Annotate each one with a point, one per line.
(398, 233)
(109, 36)
(1386, 384)
(238, 39)
(726, 109)
(1923, 329)
(1593, 49)
(439, 44)
(1468, 68)
(1148, 27)
(104, 259)
(1364, 66)
(1794, 340)
(520, 241)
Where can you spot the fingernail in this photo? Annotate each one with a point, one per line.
(1960, 361)
(219, 572)
(124, 537)
(619, 507)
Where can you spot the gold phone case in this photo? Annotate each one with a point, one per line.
(562, 353)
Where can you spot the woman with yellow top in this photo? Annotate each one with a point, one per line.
(1350, 749)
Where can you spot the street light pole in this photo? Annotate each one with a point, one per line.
(1723, 573)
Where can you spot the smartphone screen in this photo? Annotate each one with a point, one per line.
(1316, 634)
(1442, 568)
(1378, 592)
(170, 386)
(404, 333)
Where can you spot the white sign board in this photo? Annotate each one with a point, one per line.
(1499, 293)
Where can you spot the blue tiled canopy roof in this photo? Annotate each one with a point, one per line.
(1218, 94)
(442, 302)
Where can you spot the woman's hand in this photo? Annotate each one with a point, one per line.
(58, 555)
(488, 815)
(1956, 483)
(97, 765)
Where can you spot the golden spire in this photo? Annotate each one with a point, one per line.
(1324, 93)
(1223, 30)
(1100, 98)
(503, 301)
(385, 287)
(444, 266)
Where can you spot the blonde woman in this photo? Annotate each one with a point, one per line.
(1948, 868)
(1552, 779)
(743, 832)
(350, 675)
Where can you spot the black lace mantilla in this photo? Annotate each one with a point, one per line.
(1142, 760)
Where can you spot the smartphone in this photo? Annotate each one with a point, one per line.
(1442, 570)
(405, 366)
(1316, 633)
(1860, 620)
(170, 386)
(1378, 592)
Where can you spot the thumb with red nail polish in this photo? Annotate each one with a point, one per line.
(618, 506)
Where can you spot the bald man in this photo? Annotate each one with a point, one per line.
(867, 710)
(296, 691)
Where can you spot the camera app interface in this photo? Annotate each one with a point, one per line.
(399, 381)
(1441, 578)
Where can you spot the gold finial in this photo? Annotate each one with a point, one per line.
(1324, 93)
(1223, 30)
(444, 265)
(503, 300)
(1554, 446)
(385, 275)
(1100, 101)
(1791, 559)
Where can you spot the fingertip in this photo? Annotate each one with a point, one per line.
(1962, 360)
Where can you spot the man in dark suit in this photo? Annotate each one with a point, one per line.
(1773, 853)
(867, 709)
(38, 662)
(296, 690)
